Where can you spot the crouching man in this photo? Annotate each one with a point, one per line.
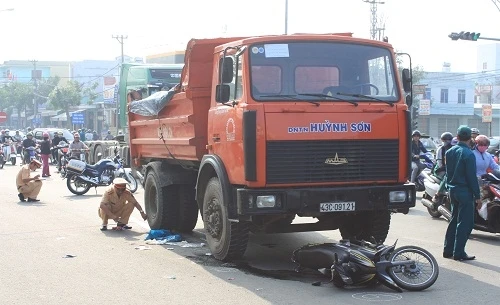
(118, 203)
(28, 187)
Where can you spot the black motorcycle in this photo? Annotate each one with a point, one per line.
(80, 176)
(362, 263)
(490, 196)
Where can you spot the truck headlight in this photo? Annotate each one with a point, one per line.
(266, 201)
(397, 196)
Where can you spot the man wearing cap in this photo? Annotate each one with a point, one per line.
(118, 203)
(464, 191)
(29, 187)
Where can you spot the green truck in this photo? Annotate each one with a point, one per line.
(137, 81)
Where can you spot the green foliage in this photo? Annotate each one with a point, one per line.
(17, 95)
(64, 97)
(89, 92)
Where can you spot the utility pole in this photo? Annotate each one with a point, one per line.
(373, 18)
(120, 39)
(286, 17)
(34, 76)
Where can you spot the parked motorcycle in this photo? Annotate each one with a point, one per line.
(62, 154)
(80, 176)
(9, 152)
(361, 263)
(427, 160)
(490, 195)
(125, 173)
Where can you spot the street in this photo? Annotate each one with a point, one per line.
(54, 253)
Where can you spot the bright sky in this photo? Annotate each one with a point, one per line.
(77, 30)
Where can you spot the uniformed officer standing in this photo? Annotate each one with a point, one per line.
(464, 190)
(118, 203)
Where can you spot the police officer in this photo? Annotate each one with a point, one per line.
(464, 191)
(118, 203)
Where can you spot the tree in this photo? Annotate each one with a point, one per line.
(17, 96)
(45, 87)
(64, 97)
(90, 94)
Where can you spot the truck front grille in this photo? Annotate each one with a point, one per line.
(331, 161)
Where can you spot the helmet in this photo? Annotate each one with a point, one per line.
(474, 130)
(3, 131)
(29, 134)
(482, 140)
(17, 131)
(454, 141)
(416, 133)
(60, 133)
(7, 131)
(109, 131)
(446, 136)
(45, 135)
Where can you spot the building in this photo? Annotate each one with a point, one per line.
(458, 98)
(174, 57)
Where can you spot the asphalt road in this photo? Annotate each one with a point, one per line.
(111, 267)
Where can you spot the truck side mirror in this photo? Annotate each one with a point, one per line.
(406, 80)
(226, 69)
(222, 93)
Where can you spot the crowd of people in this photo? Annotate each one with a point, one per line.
(461, 161)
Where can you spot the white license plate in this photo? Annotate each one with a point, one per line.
(337, 206)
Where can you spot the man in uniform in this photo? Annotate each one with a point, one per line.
(118, 203)
(464, 191)
(28, 187)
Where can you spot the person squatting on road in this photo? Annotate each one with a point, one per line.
(463, 189)
(118, 203)
(416, 148)
(26, 186)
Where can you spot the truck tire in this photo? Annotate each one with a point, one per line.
(364, 226)
(188, 209)
(160, 203)
(97, 150)
(227, 240)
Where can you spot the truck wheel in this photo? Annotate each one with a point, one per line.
(160, 203)
(97, 150)
(227, 240)
(188, 209)
(366, 225)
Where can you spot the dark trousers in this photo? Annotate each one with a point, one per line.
(462, 221)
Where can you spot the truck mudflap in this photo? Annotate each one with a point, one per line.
(320, 201)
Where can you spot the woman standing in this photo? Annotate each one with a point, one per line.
(45, 152)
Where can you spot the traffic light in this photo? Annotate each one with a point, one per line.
(473, 36)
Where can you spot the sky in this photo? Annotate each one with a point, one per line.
(77, 30)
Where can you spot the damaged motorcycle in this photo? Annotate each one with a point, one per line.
(352, 262)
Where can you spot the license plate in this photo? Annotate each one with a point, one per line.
(337, 206)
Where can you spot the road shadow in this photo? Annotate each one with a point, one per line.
(269, 257)
(417, 212)
(129, 235)
(31, 204)
(81, 197)
(485, 237)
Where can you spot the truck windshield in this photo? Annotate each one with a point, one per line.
(163, 79)
(350, 72)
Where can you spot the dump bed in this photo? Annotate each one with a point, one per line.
(180, 128)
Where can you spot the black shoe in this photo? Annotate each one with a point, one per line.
(464, 258)
(104, 228)
(21, 196)
(33, 200)
(123, 226)
(447, 255)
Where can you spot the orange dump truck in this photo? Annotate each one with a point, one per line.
(263, 129)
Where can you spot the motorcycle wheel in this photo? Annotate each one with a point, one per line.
(419, 276)
(77, 187)
(132, 182)
(13, 160)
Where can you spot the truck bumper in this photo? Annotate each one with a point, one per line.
(308, 201)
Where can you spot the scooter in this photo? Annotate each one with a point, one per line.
(360, 263)
(427, 160)
(9, 151)
(490, 195)
(2, 157)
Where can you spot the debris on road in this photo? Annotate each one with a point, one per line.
(69, 256)
(163, 235)
(143, 248)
